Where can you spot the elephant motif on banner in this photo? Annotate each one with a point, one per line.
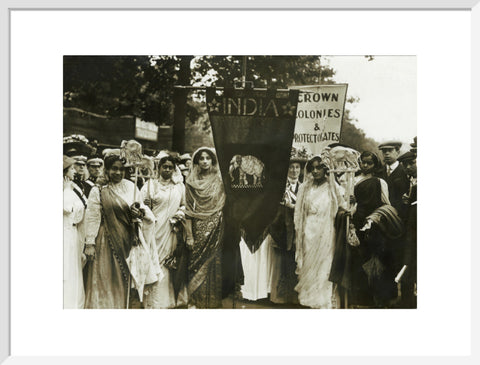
(246, 171)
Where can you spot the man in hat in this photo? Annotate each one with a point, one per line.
(184, 170)
(81, 172)
(409, 278)
(394, 174)
(414, 146)
(94, 167)
(398, 184)
(186, 160)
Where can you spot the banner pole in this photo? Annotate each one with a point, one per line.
(244, 71)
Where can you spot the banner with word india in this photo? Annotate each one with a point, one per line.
(253, 132)
(319, 116)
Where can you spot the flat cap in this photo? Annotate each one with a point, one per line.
(407, 156)
(79, 159)
(95, 161)
(390, 144)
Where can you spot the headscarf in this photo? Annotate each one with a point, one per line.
(67, 162)
(177, 176)
(204, 193)
(300, 213)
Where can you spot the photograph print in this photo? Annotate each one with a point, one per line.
(239, 182)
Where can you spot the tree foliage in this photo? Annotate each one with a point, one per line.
(143, 85)
(121, 85)
(355, 137)
(263, 71)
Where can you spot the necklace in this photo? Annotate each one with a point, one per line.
(163, 184)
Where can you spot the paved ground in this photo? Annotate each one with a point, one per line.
(229, 303)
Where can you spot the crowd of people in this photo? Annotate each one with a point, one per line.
(154, 240)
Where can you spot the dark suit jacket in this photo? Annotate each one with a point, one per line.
(398, 184)
(411, 232)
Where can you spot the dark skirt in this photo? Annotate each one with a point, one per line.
(284, 278)
(205, 266)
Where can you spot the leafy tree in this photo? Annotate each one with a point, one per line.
(144, 85)
(355, 137)
(281, 72)
(121, 85)
(263, 71)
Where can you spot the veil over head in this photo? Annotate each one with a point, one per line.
(177, 176)
(301, 210)
(204, 192)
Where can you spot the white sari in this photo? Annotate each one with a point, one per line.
(169, 199)
(314, 219)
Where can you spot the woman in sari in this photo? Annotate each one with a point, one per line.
(318, 201)
(205, 198)
(114, 240)
(166, 198)
(73, 212)
(375, 220)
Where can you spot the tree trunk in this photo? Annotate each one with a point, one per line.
(179, 101)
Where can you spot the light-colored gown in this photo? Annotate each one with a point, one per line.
(314, 223)
(257, 270)
(117, 263)
(73, 213)
(169, 199)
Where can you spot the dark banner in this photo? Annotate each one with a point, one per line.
(253, 132)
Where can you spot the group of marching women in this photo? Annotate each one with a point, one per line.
(328, 249)
(121, 237)
(160, 245)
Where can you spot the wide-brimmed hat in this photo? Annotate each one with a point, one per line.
(299, 155)
(76, 144)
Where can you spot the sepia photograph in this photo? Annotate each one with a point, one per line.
(240, 182)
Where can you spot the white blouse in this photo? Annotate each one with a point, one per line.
(93, 215)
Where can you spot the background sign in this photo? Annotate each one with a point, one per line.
(146, 130)
(319, 116)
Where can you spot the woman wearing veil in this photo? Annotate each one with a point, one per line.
(205, 198)
(166, 197)
(318, 201)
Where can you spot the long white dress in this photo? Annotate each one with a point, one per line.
(257, 270)
(315, 246)
(73, 213)
(168, 198)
